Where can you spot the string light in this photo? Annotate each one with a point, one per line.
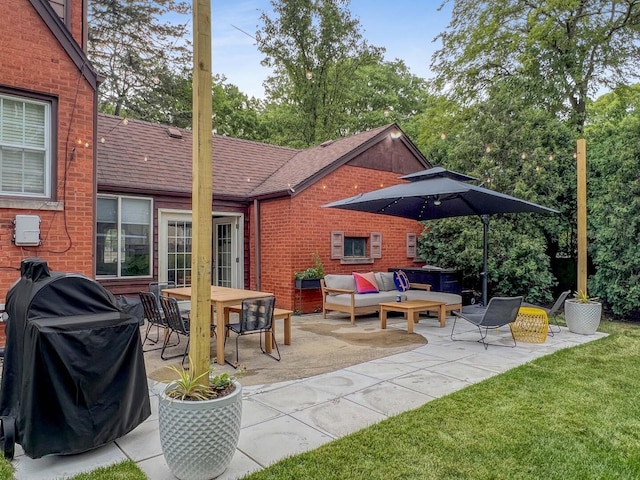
(488, 149)
(443, 136)
(523, 156)
(551, 157)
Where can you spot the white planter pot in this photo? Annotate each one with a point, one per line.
(199, 438)
(582, 318)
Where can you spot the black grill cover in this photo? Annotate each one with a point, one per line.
(74, 376)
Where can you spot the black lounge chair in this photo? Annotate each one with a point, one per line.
(500, 311)
(553, 311)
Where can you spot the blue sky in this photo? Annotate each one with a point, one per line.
(406, 28)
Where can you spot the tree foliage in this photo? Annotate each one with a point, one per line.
(315, 48)
(564, 50)
(613, 145)
(135, 47)
(517, 262)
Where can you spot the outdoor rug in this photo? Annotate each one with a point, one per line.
(317, 346)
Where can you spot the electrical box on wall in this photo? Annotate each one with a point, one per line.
(27, 230)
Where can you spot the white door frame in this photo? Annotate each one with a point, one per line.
(237, 219)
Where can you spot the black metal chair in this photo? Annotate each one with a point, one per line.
(176, 323)
(155, 318)
(552, 312)
(256, 317)
(500, 311)
(156, 289)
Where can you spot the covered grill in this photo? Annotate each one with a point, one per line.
(74, 376)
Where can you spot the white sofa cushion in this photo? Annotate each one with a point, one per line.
(385, 281)
(344, 282)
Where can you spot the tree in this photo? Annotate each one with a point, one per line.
(234, 113)
(563, 50)
(517, 149)
(133, 45)
(167, 100)
(613, 139)
(315, 49)
(383, 92)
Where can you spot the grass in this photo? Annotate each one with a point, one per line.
(571, 414)
(126, 470)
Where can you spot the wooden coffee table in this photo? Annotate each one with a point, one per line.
(411, 310)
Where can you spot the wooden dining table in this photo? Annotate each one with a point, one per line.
(221, 298)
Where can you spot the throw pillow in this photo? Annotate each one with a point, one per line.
(401, 280)
(365, 282)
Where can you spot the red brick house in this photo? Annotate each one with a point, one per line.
(267, 214)
(48, 107)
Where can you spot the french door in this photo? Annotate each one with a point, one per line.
(175, 245)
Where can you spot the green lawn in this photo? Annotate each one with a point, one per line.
(569, 415)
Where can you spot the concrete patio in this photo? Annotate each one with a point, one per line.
(282, 419)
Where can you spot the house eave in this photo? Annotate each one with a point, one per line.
(66, 40)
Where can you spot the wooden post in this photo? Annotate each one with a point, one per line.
(581, 170)
(202, 194)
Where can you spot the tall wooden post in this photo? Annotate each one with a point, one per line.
(581, 170)
(202, 194)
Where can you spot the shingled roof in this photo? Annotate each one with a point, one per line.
(136, 156)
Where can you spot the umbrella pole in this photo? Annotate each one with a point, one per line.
(485, 257)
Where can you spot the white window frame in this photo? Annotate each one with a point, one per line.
(46, 148)
(119, 199)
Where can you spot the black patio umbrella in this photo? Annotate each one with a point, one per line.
(439, 193)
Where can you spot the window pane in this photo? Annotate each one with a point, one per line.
(34, 122)
(136, 243)
(107, 210)
(136, 211)
(179, 252)
(34, 172)
(355, 247)
(11, 170)
(12, 122)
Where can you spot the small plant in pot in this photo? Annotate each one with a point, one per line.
(582, 313)
(310, 278)
(200, 423)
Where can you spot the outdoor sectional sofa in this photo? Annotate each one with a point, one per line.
(339, 295)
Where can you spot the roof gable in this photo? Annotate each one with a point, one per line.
(66, 40)
(309, 166)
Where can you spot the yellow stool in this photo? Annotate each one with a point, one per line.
(531, 325)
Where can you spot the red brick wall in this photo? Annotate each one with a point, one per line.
(32, 59)
(292, 229)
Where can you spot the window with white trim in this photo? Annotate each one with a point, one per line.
(25, 147)
(124, 246)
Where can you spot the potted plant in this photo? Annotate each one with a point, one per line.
(310, 278)
(200, 423)
(582, 313)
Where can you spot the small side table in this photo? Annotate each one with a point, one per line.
(531, 325)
